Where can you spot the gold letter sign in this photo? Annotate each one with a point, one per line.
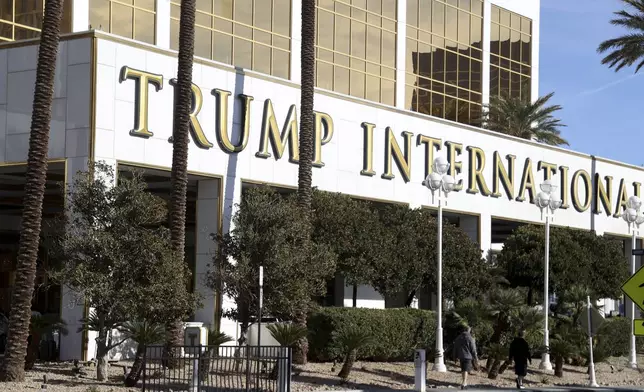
(195, 128)
(271, 131)
(141, 81)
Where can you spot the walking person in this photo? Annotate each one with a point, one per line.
(520, 353)
(465, 352)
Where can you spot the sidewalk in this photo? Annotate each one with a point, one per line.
(474, 388)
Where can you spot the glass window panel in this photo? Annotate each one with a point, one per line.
(504, 81)
(174, 34)
(464, 4)
(515, 84)
(475, 114)
(374, 20)
(505, 18)
(243, 53)
(357, 84)
(494, 81)
(282, 17)
(326, 4)
(223, 48)
(282, 43)
(514, 66)
(451, 23)
(224, 8)
(494, 60)
(525, 50)
(438, 18)
(388, 73)
(341, 80)
(389, 49)
(412, 56)
(450, 108)
(411, 102)
(122, 17)
(495, 14)
(325, 55)
(464, 72)
(438, 105)
(342, 37)
(204, 20)
(175, 11)
(30, 14)
(358, 35)
(451, 64)
(99, 15)
(325, 29)
(389, 25)
(373, 44)
(262, 14)
(463, 27)
(373, 69)
(281, 64)
(358, 65)
(450, 90)
(6, 10)
(149, 5)
(505, 42)
(203, 42)
(477, 7)
(389, 8)
(22, 33)
(515, 45)
(515, 21)
(359, 15)
(6, 31)
(424, 104)
(372, 6)
(438, 65)
(412, 12)
(526, 26)
(526, 88)
(452, 2)
(425, 15)
(438, 42)
(463, 112)
(223, 25)
(144, 26)
(504, 62)
(342, 9)
(205, 5)
(424, 60)
(263, 37)
(243, 31)
(475, 77)
(476, 33)
(388, 92)
(475, 97)
(244, 11)
(262, 58)
(463, 94)
(341, 59)
(324, 75)
(424, 37)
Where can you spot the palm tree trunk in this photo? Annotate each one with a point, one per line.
(504, 366)
(494, 370)
(179, 175)
(20, 316)
(305, 167)
(559, 362)
(349, 360)
(137, 367)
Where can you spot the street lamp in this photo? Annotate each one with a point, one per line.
(549, 200)
(442, 182)
(634, 219)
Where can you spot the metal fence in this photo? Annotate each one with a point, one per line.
(218, 368)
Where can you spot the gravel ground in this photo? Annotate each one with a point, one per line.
(366, 375)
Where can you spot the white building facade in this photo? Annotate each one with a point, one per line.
(380, 120)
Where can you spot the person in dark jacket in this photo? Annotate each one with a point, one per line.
(520, 353)
(465, 352)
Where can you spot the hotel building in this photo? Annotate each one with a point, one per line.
(399, 82)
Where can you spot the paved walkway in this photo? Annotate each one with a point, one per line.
(490, 388)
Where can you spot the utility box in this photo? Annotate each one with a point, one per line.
(195, 338)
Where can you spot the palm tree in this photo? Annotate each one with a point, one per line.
(521, 118)
(215, 339)
(287, 335)
(13, 366)
(42, 324)
(496, 353)
(179, 174)
(144, 334)
(350, 340)
(627, 49)
(305, 167)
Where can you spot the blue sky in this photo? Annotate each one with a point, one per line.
(603, 109)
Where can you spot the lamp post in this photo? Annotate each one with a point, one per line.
(634, 219)
(442, 182)
(549, 200)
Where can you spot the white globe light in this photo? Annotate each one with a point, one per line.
(433, 181)
(634, 202)
(548, 186)
(630, 215)
(543, 199)
(441, 166)
(448, 183)
(555, 201)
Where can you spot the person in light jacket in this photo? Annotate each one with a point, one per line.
(465, 352)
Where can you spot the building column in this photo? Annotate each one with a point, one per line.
(163, 24)
(485, 233)
(401, 48)
(296, 41)
(80, 15)
(485, 70)
(207, 225)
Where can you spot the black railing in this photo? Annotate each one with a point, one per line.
(223, 368)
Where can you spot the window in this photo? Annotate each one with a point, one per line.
(510, 50)
(135, 19)
(252, 34)
(444, 58)
(22, 19)
(356, 48)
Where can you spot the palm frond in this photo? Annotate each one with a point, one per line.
(217, 338)
(143, 332)
(287, 334)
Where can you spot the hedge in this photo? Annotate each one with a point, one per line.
(396, 332)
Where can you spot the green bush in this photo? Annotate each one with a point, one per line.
(396, 333)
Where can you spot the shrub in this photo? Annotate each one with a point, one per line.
(395, 333)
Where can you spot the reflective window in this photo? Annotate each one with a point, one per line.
(22, 19)
(252, 34)
(510, 49)
(444, 57)
(356, 48)
(135, 19)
